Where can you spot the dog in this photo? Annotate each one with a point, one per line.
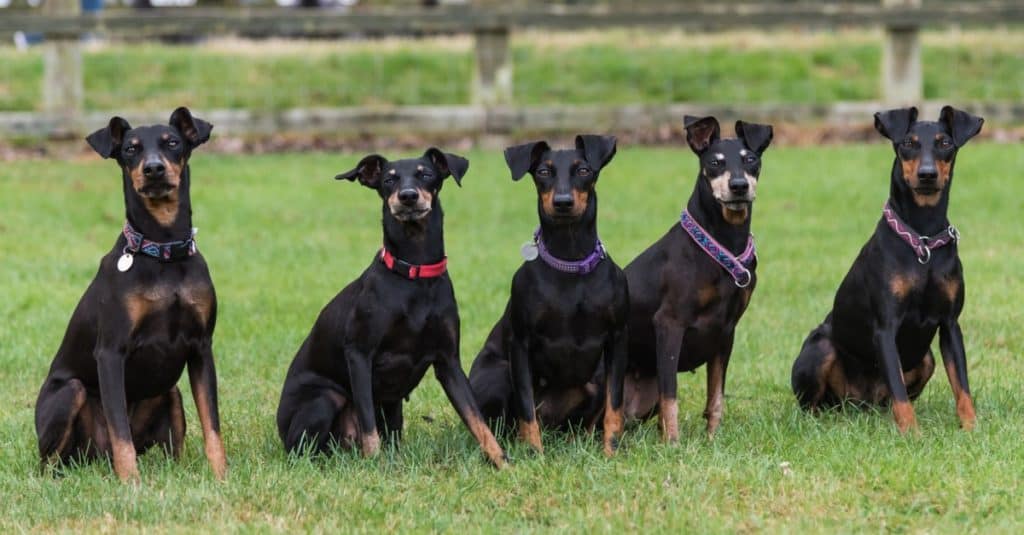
(558, 352)
(149, 312)
(689, 289)
(372, 344)
(874, 347)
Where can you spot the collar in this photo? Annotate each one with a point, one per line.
(412, 271)
(576, 267)
(922, 245)
(737, 266)
(162, 251)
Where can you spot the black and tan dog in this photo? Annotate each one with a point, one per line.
(905, 285)
(558, 353)
(149, 312)
(689, 290)
(375, 340)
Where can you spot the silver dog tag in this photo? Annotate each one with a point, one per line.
(529, 251)
(125, 262)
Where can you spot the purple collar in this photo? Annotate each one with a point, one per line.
(576, 267)
(922, 245)
(165, 252)
(737, 266)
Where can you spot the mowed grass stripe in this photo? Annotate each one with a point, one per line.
(282, 237)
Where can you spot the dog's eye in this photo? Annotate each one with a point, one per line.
(715, 163)
(544, 173)
(945, 143)
(908, 143)
(130, 149)
(172, 143)
(750, 160)
(583, 171)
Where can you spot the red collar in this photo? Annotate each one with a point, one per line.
(412, 271)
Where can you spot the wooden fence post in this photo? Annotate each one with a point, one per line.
(62, 73)
(902, 81)
(492, 82)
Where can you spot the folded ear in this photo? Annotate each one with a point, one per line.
(755, 136)
(701, 132)
(523, 158)
(368, 171)
(107, 141)
(894, 124)
(194, 129)
(448, 164)
(599, 150)
(962, 125)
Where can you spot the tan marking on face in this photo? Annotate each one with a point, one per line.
(138, 179)
(668, 419)
(720, 186)
(529, 432)
(546, 202)
(706, 295)
(613, 424)
(910, 168)
(486, 439)
(163, 209)
(944, 168)
(735, 217)
(422, 206)
(901, 284)
(903, 413)
(579, 200)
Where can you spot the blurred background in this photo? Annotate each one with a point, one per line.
(301, 74)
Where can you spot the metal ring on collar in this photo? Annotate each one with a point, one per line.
(750, 278)
(927, 256)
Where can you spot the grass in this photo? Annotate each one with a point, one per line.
(610, 67)
(282, 237)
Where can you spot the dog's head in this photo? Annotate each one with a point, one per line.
(408, 187)
(926, 150)
(729, 167)
(565, 179)
(152, 158)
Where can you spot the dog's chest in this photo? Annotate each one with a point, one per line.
(187, 303)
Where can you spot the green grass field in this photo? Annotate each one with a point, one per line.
(282, 237)
(614, 67)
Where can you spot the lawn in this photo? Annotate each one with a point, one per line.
(613, 67)
(282, 237)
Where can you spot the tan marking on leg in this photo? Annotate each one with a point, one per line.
(903, 412)
(964, 403)
(950, 288)
(715, 396)
(213, 445)
(488, 443)
(76, 406)
(639, 396)
(901, 284)
(668, 417)
(919, 376)
(706, 295)
(177, 423)
(125, 465)
(529, 432)
(370, 443)
(613, 423)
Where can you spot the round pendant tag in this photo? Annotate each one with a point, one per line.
(529, 251)
(125, 262)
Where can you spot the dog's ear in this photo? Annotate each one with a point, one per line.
(368, 171)
(755, 136)
(107, 141)
(599, 150)
(701, 132)
(894, 124)
(193, 129)
(962, 125)
(521, 159)
(448, 164)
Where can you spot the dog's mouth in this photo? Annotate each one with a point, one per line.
(156, 190)
(737, 205)
(926, 190)
(406, 214)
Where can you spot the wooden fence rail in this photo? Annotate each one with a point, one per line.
(900, 77)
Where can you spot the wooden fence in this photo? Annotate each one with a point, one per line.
(492, 109)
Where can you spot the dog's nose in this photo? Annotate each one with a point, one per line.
(739, 186)
(408, 196)
(562, 201)
(927, 173)
(154, 169)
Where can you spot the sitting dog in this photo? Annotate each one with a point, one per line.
(874, 347)
(558, 353)
(149, 312)
(689, 290)
(372, 344)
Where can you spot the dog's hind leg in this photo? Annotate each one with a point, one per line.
(917, 377)
(56, 411)
(312, 423)
(159, 420)
(817, 377)
(390, 421)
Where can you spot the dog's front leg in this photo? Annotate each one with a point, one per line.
(522, 385)
(361, 378)
(716, 369)
(456, 386)
(110, 369)
(668, 335)
(616, 354)
(885, 347)
(951, 341)
(202, 376)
